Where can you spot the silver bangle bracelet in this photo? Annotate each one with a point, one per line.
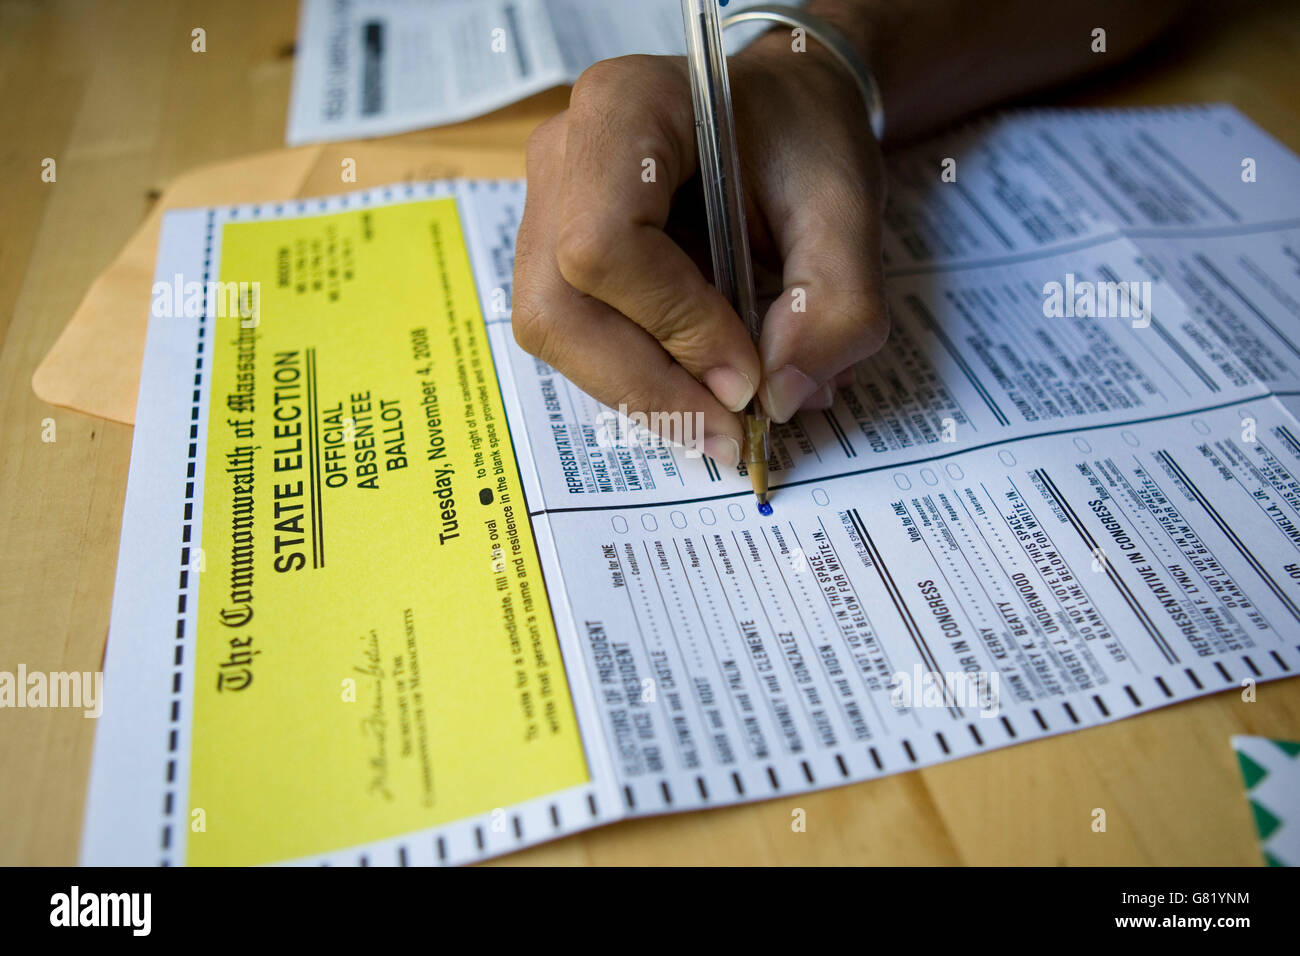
(833, 40)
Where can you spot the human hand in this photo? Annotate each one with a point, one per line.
(605, 294)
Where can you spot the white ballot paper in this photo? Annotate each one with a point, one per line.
(375, 67)
(392, 591)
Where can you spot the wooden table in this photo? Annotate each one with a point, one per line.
(114, 94)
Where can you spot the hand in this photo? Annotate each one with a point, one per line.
(603, 292)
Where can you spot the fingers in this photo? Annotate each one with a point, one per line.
(604, 295)
(846, 378)
(824, 397)
(597, 348)
(630, 145)
(641, 273)
(832, 313)
(820, 197)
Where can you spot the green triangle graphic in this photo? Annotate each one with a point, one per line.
(1265, 822)
(1288, 747)
(1271, 860)
(1251, 772)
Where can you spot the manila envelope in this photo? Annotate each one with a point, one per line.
(94, 366)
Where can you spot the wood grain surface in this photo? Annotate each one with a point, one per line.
(114, 94)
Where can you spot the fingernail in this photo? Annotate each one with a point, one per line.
(731, 387)
(787, 388)
(723, 449)
(822, 398)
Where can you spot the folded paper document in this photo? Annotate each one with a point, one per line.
(94, 366)
(392, 591)
(375, 67)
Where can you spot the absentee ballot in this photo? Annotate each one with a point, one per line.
(391, 591)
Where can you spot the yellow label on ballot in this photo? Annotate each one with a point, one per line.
(375, 648)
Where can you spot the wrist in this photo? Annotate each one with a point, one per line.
(776, 49)
(863, 23)
(808, 50)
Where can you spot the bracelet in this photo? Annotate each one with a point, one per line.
(833, 40)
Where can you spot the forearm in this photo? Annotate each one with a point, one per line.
(936, 60)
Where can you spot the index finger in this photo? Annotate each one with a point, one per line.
(630, 147)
